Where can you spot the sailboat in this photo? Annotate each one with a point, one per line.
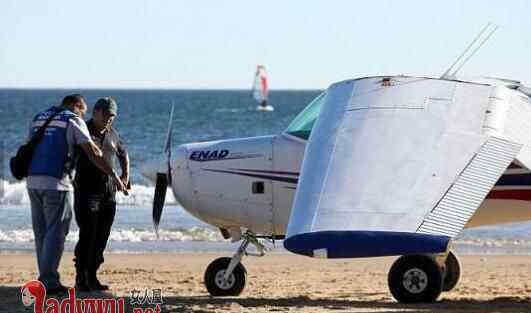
(260, 90)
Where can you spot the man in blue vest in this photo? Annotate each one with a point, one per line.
(49, 182)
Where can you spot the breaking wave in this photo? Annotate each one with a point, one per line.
(126, 235)
(493, 243)
(197, 233)
(14, 193)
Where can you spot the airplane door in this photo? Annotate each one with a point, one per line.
(236, 190)
(288, 153)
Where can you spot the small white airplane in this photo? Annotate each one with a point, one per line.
(374, 166)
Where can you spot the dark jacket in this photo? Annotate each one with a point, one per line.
(89, 178)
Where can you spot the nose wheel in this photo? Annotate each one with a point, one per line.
(227, 276)
(219, 286)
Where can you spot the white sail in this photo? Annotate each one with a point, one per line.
(260, 85)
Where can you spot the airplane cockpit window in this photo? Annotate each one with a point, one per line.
(302, 125)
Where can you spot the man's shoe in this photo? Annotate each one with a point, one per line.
(93, 283)
(101, 286)
(81, 280)
(57, 291)
(82, 287)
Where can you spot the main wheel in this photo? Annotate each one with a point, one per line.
(415, 278)
(217, 285)
(452, 272)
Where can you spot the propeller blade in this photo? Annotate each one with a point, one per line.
(158, 200)
(167, 144)
(163, 179)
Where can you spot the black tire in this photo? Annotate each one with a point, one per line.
(414, 279)
(232, 287)
(452, 272)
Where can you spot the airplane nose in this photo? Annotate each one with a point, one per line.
(182, 183)
(150, 168)
(179, 156)
(159, 164)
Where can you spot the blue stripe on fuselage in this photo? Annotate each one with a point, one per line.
(514, 180)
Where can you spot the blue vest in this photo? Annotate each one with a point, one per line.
(51, 154)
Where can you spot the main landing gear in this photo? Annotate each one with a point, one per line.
(227, 276)
(422, 278)
(411, 279)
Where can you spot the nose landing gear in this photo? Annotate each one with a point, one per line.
(219, 286)
(227, 276)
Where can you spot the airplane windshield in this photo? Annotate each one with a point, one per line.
(302, 125)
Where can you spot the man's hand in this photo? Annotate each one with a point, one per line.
(118, 182)
(125, 179)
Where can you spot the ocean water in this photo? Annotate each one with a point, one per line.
(200, 115)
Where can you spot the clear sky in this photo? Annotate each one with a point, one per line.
(217, 44)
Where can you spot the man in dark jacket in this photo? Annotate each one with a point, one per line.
(95, 203)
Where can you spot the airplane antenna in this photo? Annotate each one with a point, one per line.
(447, 74)
(476, 50)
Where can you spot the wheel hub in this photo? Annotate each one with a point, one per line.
(415, 280)
(223, 283)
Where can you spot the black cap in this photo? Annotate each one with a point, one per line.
(107, 104)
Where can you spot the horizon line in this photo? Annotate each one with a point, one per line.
(150, 88)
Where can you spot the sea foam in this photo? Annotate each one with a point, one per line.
(14, 193)
(126, 235)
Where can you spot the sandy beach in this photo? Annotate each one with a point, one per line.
(281, 282)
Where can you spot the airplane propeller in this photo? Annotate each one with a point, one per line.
(163, 179)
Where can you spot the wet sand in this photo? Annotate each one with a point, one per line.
(283, 282)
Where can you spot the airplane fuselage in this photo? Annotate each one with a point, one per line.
(251, 183)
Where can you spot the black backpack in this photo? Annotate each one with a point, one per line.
(20, 163)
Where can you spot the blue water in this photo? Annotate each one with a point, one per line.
(143, 115)
(200, 115)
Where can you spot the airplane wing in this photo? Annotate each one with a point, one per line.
(398, 165)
